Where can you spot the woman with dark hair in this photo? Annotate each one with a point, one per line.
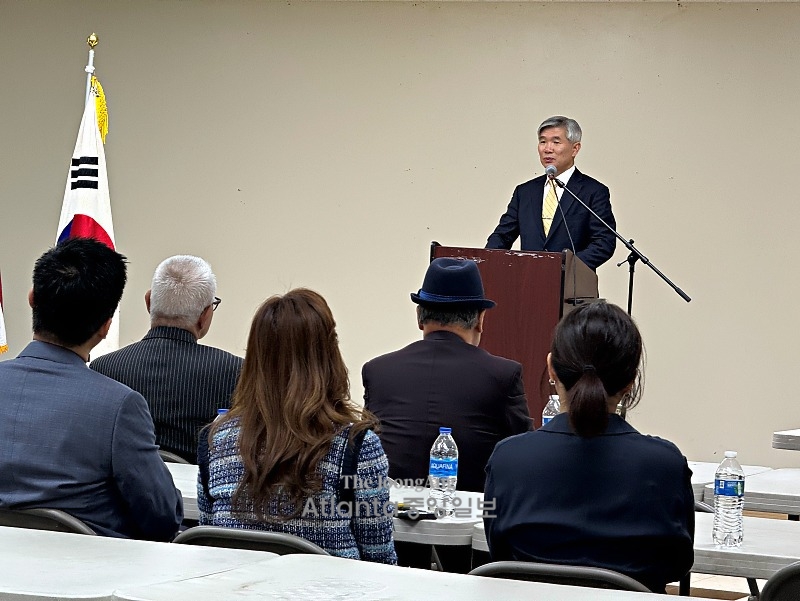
(588, 489)
(276, 460)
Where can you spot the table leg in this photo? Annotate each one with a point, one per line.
(685, 585)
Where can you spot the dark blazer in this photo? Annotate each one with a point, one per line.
(621, 501)
(594, 244)
(444, 381)
(75, 440)
(183, 382)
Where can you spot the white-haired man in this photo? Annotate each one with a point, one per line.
(183, 382)
(546, 217)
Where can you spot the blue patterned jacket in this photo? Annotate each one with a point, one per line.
(358, 530)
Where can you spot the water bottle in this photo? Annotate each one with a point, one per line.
(728, 502)
(443, 473)
(551, 409)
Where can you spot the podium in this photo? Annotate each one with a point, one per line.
(533, 290)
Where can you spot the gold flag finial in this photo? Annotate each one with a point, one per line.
(92, 40)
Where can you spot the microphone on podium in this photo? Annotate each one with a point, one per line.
(550, 171)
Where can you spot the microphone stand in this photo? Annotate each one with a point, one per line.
(634, 255)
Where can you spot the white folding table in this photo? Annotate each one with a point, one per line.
(703, 474)
(184, 476)
(455, 530)
(320, 578)
(768, 546)
(786, 439)
(42, 565)
(776, 491)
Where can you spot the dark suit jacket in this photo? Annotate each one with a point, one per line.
(183, 382)
(74, 440)
(621, 501)
(443, 381)
(594, 244)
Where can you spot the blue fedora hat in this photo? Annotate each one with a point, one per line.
(452, 282)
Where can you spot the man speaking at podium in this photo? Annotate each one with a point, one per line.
(539, 208)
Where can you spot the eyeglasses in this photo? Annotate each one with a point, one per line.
(215, 304)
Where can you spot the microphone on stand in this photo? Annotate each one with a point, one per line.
(550, 171)
(634, 255)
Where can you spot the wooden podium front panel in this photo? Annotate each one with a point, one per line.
(527, 287)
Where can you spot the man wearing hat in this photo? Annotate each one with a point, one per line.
(446, 380)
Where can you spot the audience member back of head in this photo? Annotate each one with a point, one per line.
(274, 461)
(445, 379)
(70, 438)
(587, 488)
(183, 382)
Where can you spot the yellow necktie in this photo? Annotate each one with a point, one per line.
(549, 208)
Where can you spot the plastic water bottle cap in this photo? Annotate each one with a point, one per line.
(730, 454)
(445, 430)
(221, 411)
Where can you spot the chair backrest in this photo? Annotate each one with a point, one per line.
(701, 507)
(44, 519)
(560, 574)
(783, 585)
(171, 457)
(280, 543)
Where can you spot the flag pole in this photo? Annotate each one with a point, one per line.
(91, 41)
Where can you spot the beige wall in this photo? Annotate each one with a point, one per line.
(326, 144)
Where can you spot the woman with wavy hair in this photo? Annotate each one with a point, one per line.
(276, 460)
(587, 488)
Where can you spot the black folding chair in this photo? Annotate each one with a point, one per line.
(171, 457)
(44, 519)
(560, 574)
(280, 543)
(783, 585)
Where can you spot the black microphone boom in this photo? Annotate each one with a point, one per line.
(550, 171)
(635, 254)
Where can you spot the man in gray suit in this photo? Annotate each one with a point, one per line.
(70, 438)
(183, 382)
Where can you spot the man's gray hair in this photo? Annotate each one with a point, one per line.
(463, 318)
(183, 286)
(570, 125)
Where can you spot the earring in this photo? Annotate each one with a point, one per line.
(552, 382)
(622, 406)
